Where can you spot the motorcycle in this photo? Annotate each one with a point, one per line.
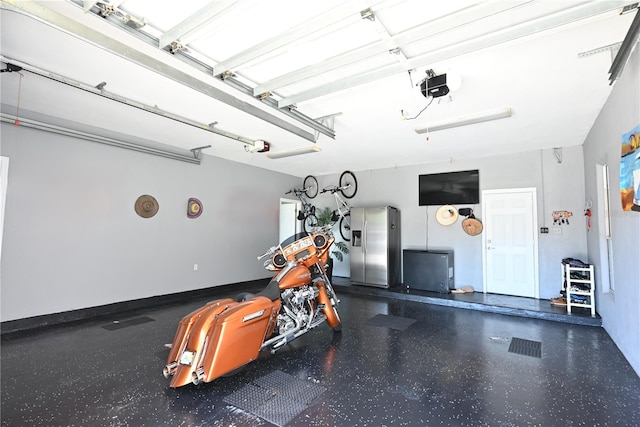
(226, 334)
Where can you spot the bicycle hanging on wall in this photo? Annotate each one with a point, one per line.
(308, 212)
(347, 186)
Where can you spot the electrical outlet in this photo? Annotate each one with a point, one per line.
(556, 230)
(195, 267)
(544, 230)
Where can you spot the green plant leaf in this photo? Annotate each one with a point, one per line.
(324, 217)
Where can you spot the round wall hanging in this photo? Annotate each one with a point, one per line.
(146, 206)
(446, 215)
(194, 208)
(472, 226)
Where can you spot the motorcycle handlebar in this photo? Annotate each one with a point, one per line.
(271, 250)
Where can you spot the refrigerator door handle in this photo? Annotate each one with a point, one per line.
(364, 238)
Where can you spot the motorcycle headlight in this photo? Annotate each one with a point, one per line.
(186, 358)
(279, 260)
(320, 240)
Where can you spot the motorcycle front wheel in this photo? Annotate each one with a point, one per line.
(338, 327)
(328, 297)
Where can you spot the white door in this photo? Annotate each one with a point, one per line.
(289, 224)
(510, 242)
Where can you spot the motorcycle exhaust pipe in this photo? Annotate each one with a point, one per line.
(283, 339)
(170, 369)
(197, 376)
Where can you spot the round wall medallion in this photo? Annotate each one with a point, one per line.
(146, 206)
(194, 208)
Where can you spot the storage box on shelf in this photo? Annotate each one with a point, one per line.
(579, 287)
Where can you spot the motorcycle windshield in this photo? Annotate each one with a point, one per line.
(293, 238)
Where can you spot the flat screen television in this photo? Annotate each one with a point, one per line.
(451, 188)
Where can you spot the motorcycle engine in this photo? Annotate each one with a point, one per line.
(296, 308)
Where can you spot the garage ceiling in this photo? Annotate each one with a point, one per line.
(339, 76)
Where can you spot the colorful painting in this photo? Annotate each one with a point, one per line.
(630, 170)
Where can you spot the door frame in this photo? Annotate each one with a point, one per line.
(534, 225)
(4, 183)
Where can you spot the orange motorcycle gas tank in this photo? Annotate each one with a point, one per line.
(298, 276)
(223, 337)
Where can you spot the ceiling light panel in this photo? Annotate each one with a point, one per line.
(311, 52)
(162, 14)
(293, 152)
(337, 75)
(411, 13)
(260, 23)
(525, 14)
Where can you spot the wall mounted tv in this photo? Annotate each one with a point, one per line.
(451, 188)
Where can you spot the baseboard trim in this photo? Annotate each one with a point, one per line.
(47, 320)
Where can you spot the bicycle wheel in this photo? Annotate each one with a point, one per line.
(310, 186)
(310, 223)
(348, 180)
(345, 227)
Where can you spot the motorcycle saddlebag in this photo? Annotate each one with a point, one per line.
(237, 335)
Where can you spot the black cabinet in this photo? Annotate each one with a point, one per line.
(428, 270)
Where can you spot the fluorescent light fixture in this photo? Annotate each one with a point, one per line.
(466, 120)
(293, 152)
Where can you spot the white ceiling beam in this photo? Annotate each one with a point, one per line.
(487, 40)
(452, 21)
(349, 12)
(190, 26)
(65, 23)
(88, 4)
(384, 35)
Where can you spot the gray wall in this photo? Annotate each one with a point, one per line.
(73, 240)
(561, 189)
(620, 310)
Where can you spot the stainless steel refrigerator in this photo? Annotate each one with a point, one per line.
(375, 246)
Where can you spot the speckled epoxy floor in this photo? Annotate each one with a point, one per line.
(449, 367)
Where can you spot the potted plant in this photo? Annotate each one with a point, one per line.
(339, 248)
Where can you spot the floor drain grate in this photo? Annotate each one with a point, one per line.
(391, 322)
(525, 347)
(276, 397)
(131, 322)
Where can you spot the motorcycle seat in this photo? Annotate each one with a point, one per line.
(272, 291)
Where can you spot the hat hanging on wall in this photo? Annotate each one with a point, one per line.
(194, 208)
(446, 215)
(146, 206)
(471, 225)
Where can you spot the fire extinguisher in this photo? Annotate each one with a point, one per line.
(587, 213)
